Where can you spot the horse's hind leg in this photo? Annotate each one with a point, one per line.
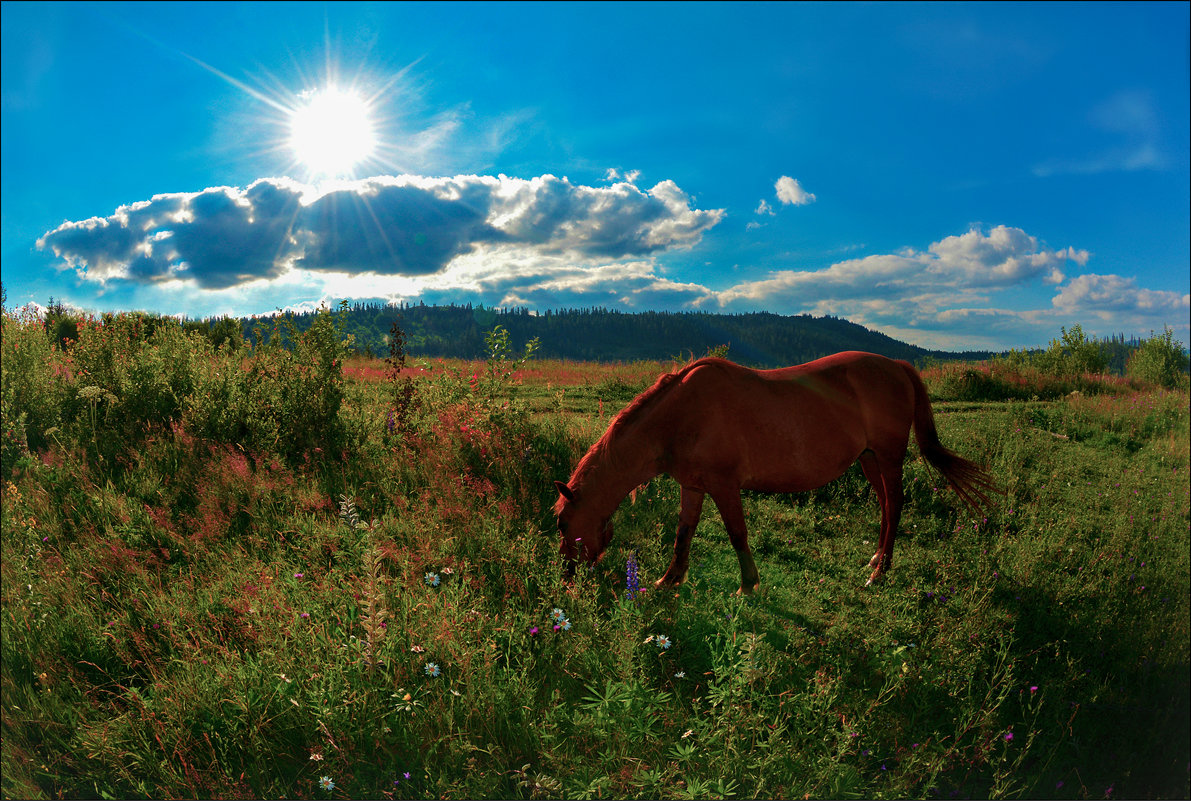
(732, 514)
(886, 478)
(688, 517)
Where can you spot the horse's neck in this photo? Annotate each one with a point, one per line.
(625, 463)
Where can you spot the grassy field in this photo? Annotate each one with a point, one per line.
(215, 587)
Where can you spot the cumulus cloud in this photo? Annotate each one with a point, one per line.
(1113, 293)
(970, 262)
(399, 226)
(791, 193)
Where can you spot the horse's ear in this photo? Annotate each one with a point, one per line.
(565, 491)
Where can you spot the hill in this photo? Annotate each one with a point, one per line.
(605, 335)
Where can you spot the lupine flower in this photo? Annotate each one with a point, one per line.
(432, 670)
(632, 583)
(326, 783)
(432, 579)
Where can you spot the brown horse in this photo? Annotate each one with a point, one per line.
(718, 428)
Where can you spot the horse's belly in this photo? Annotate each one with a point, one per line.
(798, 466)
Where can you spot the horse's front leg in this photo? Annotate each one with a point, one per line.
(688, 517)
(732, 513)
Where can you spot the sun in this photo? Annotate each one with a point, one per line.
(331, 132)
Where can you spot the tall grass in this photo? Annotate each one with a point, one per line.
(228, 573)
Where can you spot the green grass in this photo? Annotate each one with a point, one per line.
(183, 617)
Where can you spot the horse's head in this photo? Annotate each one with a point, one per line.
(581, 534)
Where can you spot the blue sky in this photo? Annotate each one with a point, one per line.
(954, 175)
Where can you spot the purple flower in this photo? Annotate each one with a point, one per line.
(1008, 736)
(1033, 688)
(632, 583)
(533, 632)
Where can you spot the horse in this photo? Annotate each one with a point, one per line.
(718, 428)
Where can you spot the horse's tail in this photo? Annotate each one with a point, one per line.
(970, 481)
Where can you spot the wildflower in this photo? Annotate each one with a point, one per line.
(299, 575)
(303, 614)
(432, 670)
(446, 571)
(566, 625)
(680, 674)
(417, 649)
(1008, 736)
(1033, 688)
(687, 733)
(432, 580)
(315, 756)
(632, 582)
(405, 775)
(326, 783)
(558, 615)
(663, 641)
(533, 632)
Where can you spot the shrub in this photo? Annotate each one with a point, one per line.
(1160, 360)
(31, 385)
(284, 398)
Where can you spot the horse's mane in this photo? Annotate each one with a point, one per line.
(598, 452)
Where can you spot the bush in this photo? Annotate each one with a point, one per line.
(1160, 360)
(1073, 355)
(284, 398)
(32, 386)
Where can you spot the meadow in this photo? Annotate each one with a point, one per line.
(291, 572)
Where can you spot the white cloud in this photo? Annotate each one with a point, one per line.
(970, 263)
(1092, 293)
(764, 208)
(791, 193)
(928, 296)
(396, 226)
